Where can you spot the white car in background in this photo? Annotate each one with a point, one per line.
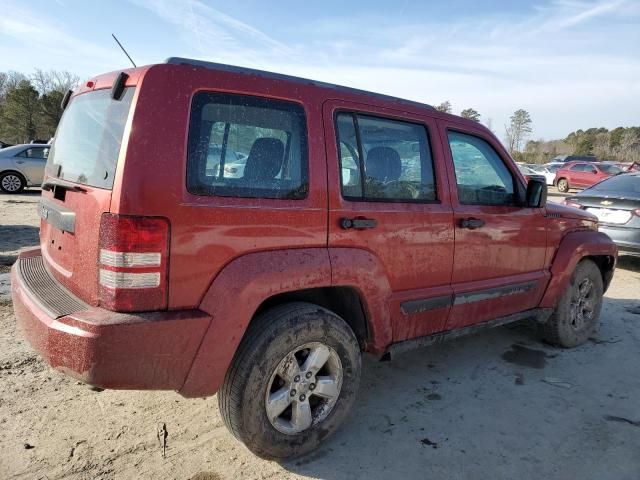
(22, 166)
(548, 171)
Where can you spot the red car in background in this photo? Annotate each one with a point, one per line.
(583, 174)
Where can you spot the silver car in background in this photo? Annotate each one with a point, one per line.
(22, 166)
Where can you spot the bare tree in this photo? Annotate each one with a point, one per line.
(489, 123)
(53, 81)
(630, 146)
(601, 147)
(518, 130)
(9, 81)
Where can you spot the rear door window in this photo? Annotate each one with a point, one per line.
(384, 160)
(41, 153)
(241, 146)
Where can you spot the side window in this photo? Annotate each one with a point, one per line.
(577, 168)
(481, 175)
(35, 152)
(241, 146)
(384, 160)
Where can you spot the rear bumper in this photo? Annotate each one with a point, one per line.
(627, 239)
(149, 351)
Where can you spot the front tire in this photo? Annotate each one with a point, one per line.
(563, 185)
(12, 182)
(292, 381)
(577, 315)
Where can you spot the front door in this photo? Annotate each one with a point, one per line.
(498, 266)
(386, 191)
(581, 174)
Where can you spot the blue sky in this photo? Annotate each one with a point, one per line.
(571, 64)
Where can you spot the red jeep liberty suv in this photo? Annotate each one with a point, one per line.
(208, 228)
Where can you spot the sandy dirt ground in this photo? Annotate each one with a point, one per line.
(498, 405)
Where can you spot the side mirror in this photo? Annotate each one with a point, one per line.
(536, 193)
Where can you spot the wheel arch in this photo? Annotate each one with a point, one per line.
(344, 301)
(573, 248)
(351, 282)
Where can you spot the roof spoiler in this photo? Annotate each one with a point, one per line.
(118, 86)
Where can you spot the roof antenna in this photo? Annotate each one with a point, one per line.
(125, 52)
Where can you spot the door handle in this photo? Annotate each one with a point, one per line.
(358, 223)
(19, 161)
(471, 223)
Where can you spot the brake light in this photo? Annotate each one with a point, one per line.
(134, 263)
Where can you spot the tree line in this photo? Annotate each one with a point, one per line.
(620, 144)
(30, 104)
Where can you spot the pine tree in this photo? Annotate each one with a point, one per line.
(20, 112)
(444, 107)
(471, 114)
(518, 130)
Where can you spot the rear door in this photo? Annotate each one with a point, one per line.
(32, 161)
(389, 196)
(580, 175)
(498, 266)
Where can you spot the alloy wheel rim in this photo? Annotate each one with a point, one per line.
(304, 388)
(11, 183)
(582, 305)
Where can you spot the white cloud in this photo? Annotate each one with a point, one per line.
(216, 33)
(43, 45)
(572, 64)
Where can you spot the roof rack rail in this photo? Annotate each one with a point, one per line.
(290, 78)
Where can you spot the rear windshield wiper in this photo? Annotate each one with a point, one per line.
(51, 184)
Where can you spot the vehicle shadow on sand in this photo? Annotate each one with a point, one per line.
(629, 262)
(15, 237)
(500, 404)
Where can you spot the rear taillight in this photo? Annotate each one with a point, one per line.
(134, 263)
(569, 203)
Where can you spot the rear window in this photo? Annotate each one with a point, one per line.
(242, 146)
(622, 184)
(88, 139)
(611, 169)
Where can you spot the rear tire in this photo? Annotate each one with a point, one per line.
(292, 381)
(12, 182)
(563, 185)
(577, 315)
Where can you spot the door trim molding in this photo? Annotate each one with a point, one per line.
(411, 307)
(495, 292)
